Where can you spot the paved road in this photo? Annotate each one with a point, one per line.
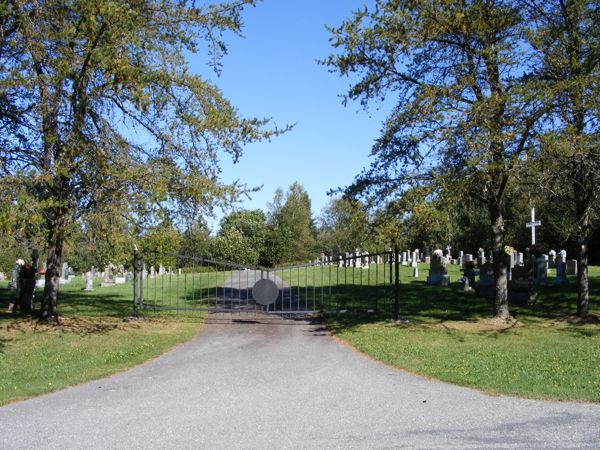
(285, 384)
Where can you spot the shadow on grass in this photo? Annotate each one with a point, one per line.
(421, 303)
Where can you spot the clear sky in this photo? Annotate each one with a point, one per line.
(272, 72)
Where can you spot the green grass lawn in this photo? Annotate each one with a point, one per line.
(450, 336)
(92, 341)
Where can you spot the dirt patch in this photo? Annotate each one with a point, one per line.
(593, 319)
(479, 325)
(75, 325)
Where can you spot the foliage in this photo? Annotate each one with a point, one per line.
(463, 119)
(241, 238)
(101, 112)
(345, 225)
(293, 231)
(159, 243)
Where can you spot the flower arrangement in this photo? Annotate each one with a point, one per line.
(20, 262)
(508, 250)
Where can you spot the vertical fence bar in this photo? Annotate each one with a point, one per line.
(397, 285)
(135, 283)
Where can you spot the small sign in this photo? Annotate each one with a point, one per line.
(265, 292)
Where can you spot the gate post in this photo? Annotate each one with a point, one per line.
(397, 284)
(135, 283)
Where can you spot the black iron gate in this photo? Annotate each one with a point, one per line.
(174, 284)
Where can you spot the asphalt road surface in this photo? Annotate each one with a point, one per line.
(285, 384)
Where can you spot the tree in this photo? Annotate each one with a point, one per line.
(292, 228)
(241, 238)
(99, 108)
(345, 225)
(566, 37)
(463, 117)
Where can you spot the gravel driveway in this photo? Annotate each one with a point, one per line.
(285, 384)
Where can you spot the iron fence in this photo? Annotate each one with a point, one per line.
(178, 284)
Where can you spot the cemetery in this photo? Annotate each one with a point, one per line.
(449, 228)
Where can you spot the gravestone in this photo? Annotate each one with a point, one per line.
(108, 278)
(521, 288)
(89, 281)
(510, 263)
(365, 260)
(572, 267)
(26, 287)
(561, 269)
(540, 270)
(128, 277)
(64, 274)
(481, 257)
(552, 259)
(152, 272)
(487, 286)
(404, 260)
(438, 271)
(461, 257)
(161, 270)
(519, 260)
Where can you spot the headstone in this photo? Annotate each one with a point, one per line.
(521, 288)
(519, 260)
(428, 260)
(119, 280)
(481, 257)
(366, 260)
(552, 259)
(572, 267)
(128, 277)
(561, 269)
(510, 263)
(404, 260)
(461, 257)
(108, 278)
(540, 270)
(27, 275)
(161, 270)
(152, 272)
(467, 258)
(64, 273)
(486, 287)
(89, 281)
(438, 272)
(415, 273)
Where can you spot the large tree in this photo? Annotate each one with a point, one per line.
(345, 225)
(566, 37)
(461, 113)
(292, 236)
(98, 107)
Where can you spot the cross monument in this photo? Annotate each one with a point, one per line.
(534, 223)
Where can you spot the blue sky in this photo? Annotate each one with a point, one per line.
(272, 72)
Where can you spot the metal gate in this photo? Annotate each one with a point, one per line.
(175, 284)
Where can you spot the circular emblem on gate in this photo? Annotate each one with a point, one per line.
(265, 292)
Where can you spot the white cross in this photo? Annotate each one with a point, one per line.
(534, 223)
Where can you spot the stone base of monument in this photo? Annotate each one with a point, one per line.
(443, 280)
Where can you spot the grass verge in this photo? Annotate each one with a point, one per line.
(448, 335)
(91, 342)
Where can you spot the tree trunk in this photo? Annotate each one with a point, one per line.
(50, 300)
(583, 288)
(500, 272)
